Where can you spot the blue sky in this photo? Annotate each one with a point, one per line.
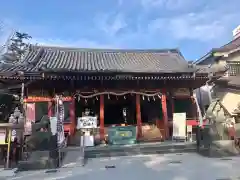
(190, 25)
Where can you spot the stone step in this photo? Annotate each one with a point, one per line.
(133, 150)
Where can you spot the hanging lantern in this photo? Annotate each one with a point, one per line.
(143, 98)
(96, 98)
(153, 98)
(78, 98)
(148, 98)
(108, 96)
(124, 97)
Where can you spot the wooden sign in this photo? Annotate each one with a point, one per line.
(181, 92)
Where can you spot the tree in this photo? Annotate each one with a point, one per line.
(18, 45)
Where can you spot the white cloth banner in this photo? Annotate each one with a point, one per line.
(179, 125)
(53, 125)
(87, 122)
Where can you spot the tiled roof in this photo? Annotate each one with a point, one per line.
(211, 68)
(235, 43)
(42, 58)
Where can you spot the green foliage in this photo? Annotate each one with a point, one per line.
(17, 47)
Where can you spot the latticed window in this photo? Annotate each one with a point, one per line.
(234, 69)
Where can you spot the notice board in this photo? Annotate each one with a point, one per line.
(179, 125)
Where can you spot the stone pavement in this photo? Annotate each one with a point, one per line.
(141, 167)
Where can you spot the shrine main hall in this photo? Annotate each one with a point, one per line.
(141, 88)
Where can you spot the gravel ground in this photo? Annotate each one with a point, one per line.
(142, 167)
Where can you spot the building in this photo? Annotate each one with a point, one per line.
(226, 88)
(150, 85)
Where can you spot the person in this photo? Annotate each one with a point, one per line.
(15, 150)
(13, 154)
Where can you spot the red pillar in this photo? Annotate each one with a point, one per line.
(138, 116)
(173, 109)
(164, 112)
(101, 117)
(72, 115)
(194, 112)
(50, 113)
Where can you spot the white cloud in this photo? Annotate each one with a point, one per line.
(111, 25)
(168, 4)
(204, 26)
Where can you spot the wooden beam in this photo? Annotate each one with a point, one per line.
(138, 116)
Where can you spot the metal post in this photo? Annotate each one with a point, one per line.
(82, 147)
(9, 147)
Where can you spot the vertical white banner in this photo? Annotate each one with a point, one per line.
(53, 125)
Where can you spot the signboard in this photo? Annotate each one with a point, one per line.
(2, 136)
(179, 125)
(87, 122)
(181, 92)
